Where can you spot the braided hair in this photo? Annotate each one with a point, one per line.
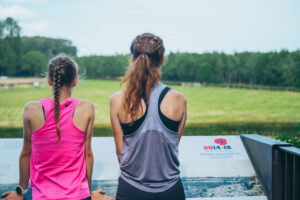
(62, 71)
(147, 54)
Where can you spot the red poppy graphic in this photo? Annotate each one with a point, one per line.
(221, 141)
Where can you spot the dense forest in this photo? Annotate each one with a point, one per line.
(28, 56)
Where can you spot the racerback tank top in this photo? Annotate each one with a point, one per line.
(58, 169)
(149, 159)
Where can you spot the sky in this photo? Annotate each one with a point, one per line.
(107, 27)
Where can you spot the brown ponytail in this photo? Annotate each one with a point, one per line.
(62, 71)
(147, 54)
(56, 98)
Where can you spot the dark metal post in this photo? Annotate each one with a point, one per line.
(292, 172)
(267, 161)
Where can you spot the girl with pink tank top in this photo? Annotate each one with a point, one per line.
(57, 154)
(58, 169)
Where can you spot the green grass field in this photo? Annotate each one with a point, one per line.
(218, 109)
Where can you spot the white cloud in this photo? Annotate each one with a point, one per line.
(34, 28)
(16, 12)
(25, 1)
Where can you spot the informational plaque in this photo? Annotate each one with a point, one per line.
(217, 168)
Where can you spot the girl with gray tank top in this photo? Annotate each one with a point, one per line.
(147, 120)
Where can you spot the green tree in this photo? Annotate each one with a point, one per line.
(296, 58)
(10, 47)
(204, 72)
(34, 63)
(7, 59)
(48, 46)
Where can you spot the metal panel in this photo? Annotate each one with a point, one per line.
(279, 174)
(288, 176)
(266, 161)
(292, 172)
(296, 194)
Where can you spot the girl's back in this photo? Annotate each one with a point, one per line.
(58, 168)
(147, 122)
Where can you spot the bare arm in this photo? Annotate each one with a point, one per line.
(115, 124)
(24, 161)
(88, 146)
(183, 119)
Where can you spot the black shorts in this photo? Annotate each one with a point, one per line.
(88, 198)
(128, 192)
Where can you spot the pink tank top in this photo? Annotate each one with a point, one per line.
(58, 169)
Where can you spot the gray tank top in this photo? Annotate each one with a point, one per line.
(149, 159)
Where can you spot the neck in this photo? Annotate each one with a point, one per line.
(63, 94)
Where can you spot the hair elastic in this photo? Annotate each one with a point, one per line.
(144, 52)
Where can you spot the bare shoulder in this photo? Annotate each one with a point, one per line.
(32, 106)
(32, 109)
(85, 104)
(176, 97)
(116, 98)
(174, 105)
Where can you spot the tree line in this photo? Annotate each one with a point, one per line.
(28, 56)
(271, 68)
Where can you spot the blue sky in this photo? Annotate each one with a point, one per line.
(108, 26)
